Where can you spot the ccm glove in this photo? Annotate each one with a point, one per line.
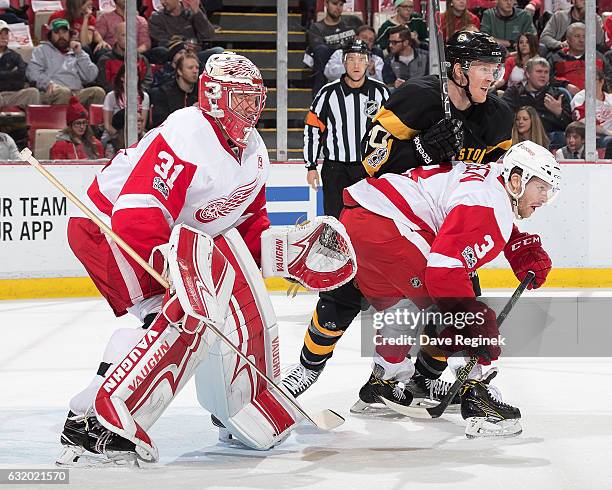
(440, 142)
(524, 253)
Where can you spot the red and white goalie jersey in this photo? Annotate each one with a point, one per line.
(181, 172)
(459, 217)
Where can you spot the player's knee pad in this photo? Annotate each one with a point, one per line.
(228, 387)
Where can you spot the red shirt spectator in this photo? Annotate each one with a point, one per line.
(76, 141)
(107, 24)
(83, 22)
(461, 18)
(608, 31)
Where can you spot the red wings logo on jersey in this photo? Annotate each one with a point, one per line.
(218, 208)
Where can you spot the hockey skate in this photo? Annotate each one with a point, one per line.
(84, 440)
(376, 389)
(485, 413)
(428, 392)
(298, 378)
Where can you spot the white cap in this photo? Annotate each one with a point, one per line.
(3, 25)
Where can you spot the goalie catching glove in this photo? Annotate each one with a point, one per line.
(318, 254)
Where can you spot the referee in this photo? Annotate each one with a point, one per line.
(340, 115)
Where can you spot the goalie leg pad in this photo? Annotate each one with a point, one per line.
(257, 415)
(142, 385)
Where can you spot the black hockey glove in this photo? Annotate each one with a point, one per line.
(440, 142)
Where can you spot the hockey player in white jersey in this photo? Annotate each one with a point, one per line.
(433, 226)
(196, 181)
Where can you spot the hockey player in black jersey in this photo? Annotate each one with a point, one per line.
(410, 131)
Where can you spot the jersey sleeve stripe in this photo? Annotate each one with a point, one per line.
(131, 201)
(504, 145)
(399, 202)
(439, 260)
(100, 200)
(393, 124)
(313, 120)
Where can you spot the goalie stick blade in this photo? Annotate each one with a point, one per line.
(327, 419)
(414, 412)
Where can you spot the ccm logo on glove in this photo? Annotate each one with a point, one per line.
(531, 239)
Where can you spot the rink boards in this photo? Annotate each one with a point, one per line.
(35, 260)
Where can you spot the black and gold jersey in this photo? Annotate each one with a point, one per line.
(415, 107)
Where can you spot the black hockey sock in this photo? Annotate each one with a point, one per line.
(103, 369)
(428, 366)
(319, 343)
(334, 313)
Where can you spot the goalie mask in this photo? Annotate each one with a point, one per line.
(231, 90)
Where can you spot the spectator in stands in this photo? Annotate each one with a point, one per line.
(107, 26)
(404, 16)
(528, 126)
(567, 64)
(181, 93)
(514, 69)
(457, 17)
(405, 61)
(608, 31)
(506, 22)
(113, 103)
(551, 103)
(60, 68)
(76, 141)
(110, 62)
(335, 68)
(80, 16)
(118, 124)
(574, 149)
(177, 47)
(181, 19)
(603, 110)
(328, 35)
(553, 35)
(12, 75)
(8, 148)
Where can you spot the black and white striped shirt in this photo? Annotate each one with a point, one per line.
(339, 118)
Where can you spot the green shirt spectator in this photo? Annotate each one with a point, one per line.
(404, 15)
(506, 23)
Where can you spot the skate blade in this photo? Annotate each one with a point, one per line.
(370, 409)
(425, 403)
(69, 456)
(481, 427)
(86, 460)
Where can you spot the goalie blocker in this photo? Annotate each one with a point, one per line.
(221, 279)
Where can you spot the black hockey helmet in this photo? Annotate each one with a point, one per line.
(356, 46)
(463, 47)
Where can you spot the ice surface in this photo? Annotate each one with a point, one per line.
(51, 348)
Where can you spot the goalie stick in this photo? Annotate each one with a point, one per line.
(438, 410)
(324, 419)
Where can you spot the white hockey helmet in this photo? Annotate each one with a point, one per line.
(534, 161)
(227, 78)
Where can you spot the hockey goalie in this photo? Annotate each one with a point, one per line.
(190, 197)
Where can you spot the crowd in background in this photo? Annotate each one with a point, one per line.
(80, 61)
(544, 72)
